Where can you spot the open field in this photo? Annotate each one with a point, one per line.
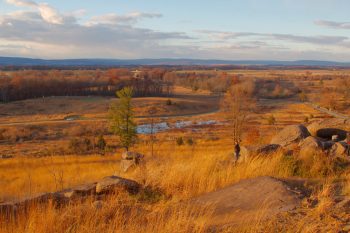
(174, 116)
(46, 110)
(36, 138)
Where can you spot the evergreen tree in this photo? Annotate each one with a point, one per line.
(122, 118)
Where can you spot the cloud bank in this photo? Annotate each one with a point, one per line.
(40, 30)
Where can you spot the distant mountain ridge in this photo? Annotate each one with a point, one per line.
(21, 61)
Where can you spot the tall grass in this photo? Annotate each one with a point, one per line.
(25, 176)
(180, 174)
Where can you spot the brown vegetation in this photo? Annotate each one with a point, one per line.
(181, 163)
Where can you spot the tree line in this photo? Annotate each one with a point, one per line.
(28, 84)
(20, 85)
(213, 81)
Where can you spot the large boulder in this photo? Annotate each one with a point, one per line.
(78, 191)
(239, 203)
(339, 149)
(327, 128)
(311, 142)
(34, 199)
(310, 145)
(291, 134)
(249, 151)
(129, 155)
(327, 145)
(114, 183)
(130, 160)
(23, 203)
(126, 165)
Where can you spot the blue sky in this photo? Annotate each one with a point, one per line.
(207, 29)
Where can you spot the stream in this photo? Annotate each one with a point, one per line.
(164, 126)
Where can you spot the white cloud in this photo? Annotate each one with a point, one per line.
(50, 14)
(114, 19)
(50, 33)
(43, 31)
(224, 35)
(333, 24)
(22, 3)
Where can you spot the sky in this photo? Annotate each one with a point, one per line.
(198, 29)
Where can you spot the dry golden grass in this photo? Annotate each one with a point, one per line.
(122, 214)
(186, 171)
(180, 175)
(28, 176)
(179, 172)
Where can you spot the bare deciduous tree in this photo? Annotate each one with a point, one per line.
(237, 104)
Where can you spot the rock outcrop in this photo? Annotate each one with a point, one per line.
(291, 134)
(310, 145)
(327, 128)
(240, 202)
(107, 185)
(130, 160)
(339, 149)
(129, 155)
(311, 142)
(113, 183)
(78, 191)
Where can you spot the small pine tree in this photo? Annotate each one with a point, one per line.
(122, 118)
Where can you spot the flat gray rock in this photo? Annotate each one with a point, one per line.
(78, 191)
(261, 197)
(112, 183)
(291, 134)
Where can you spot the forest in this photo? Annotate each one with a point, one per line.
(146, 82)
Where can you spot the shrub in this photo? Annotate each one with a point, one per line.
(271, 120)
(87, 130)
(302, 97)
(23, 133)
(101, 143)
(190, 141)
(179, 141)
(2, 131)
(150, 195)
(169, 102)
(80, 146)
